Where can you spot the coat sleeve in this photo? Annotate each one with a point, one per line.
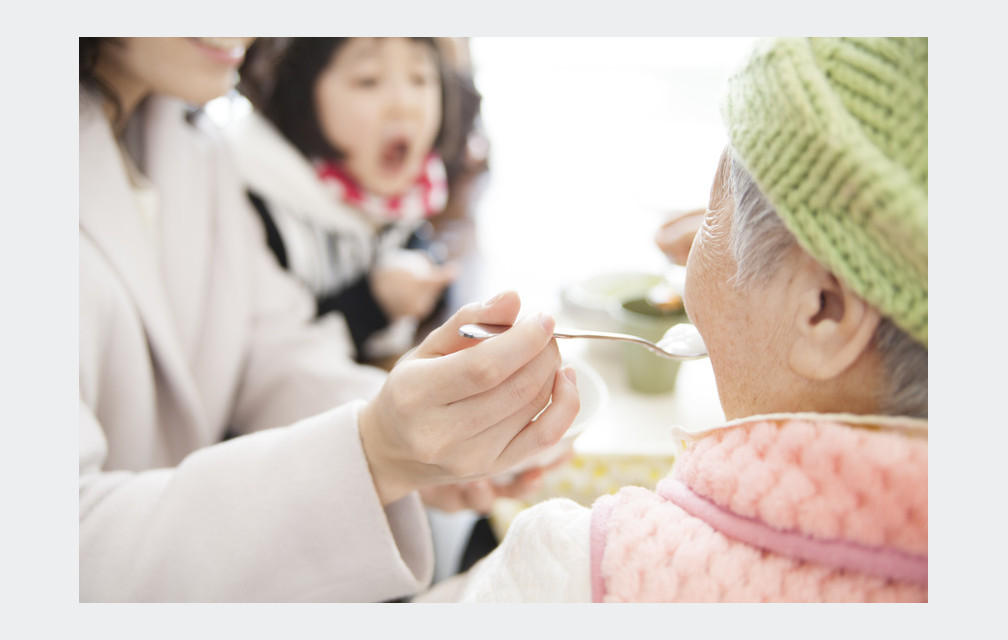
(286, 514)
(169, 513)
(544, 557)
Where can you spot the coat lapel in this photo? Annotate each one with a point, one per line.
(187, 183)
(109, 217)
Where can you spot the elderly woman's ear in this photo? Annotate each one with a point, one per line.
(833, 325)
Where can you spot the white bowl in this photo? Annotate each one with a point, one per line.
(588, 301)
(593, 394)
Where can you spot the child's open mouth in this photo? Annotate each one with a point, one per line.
(394, 155)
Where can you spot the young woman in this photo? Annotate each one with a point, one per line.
(230, 447)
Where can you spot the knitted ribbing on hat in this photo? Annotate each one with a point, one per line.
(835, 133)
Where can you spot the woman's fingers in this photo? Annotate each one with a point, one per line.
(512, 440)
(457, 408)
(489, 433)
(501, 309)
(549, 426)
(489, 364)
(479, 496)
(522, 485)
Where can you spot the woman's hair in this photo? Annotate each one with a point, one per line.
(90, 49)
(279, 75)
(758, 252)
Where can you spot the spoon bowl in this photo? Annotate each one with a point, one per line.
(681, 342)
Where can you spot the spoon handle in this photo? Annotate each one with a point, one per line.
(480, 331)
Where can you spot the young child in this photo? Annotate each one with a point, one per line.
(345, 160)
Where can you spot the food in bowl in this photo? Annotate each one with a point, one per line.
(588, 301)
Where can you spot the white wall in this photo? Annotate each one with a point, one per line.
(593, 140)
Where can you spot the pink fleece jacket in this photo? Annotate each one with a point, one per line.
(774, 509)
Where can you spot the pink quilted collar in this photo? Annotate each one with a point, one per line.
(828, 478)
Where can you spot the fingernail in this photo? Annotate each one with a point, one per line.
(547, 322)
(494, 300)
(570, 375)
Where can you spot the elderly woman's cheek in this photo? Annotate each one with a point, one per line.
(695, 300)
(689, 287)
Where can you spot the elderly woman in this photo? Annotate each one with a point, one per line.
(808, 282)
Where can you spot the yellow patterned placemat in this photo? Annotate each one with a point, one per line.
(583, 480)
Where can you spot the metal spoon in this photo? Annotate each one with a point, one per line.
(681, 342)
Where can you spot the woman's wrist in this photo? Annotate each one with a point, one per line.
(383, 468)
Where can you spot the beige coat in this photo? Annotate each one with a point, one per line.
(193, 332)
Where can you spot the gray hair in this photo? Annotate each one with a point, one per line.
(758, 253)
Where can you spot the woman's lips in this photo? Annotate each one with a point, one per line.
(227, 50)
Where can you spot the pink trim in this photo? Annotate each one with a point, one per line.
(599, 519)
(878, 561)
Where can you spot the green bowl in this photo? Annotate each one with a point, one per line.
(647, 372)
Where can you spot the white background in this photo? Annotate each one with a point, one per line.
(593, 141)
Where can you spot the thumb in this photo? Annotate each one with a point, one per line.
(500, 309)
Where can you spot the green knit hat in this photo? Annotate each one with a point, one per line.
(835, 133)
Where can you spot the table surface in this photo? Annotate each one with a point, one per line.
(635, 423)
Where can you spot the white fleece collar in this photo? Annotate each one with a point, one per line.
(275, 169)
